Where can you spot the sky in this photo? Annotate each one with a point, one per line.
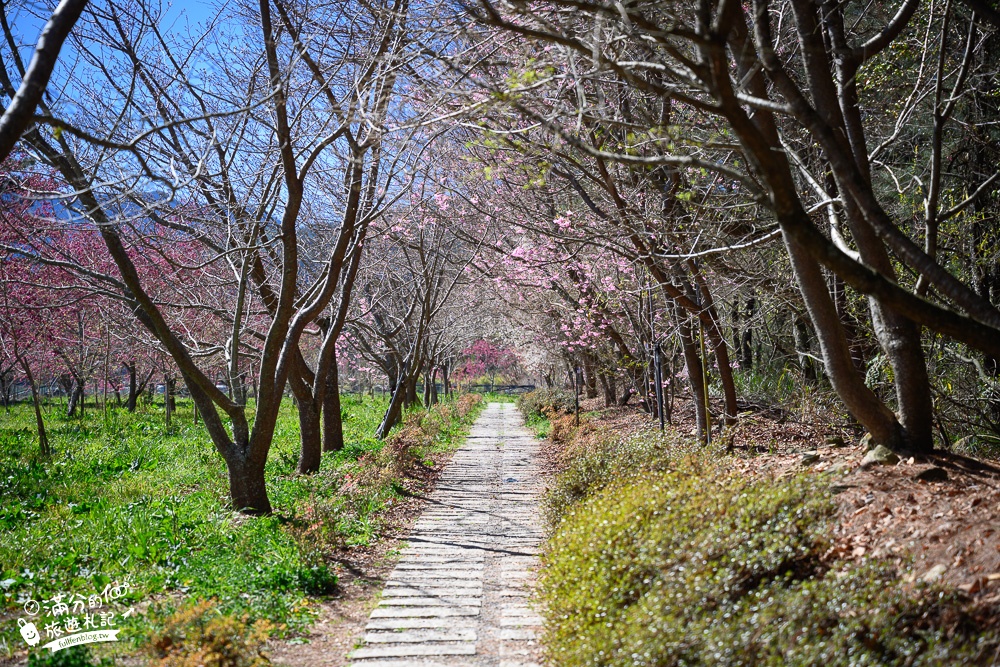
(28, 18)
(191, 11)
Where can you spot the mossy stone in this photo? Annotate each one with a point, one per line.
(880, 455)
(809, 458)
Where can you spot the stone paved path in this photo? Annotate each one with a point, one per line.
(460, 593)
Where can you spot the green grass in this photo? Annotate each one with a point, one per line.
(126, 497)
(498, 397)
(540, 405)
(540, 424)
(663, 556)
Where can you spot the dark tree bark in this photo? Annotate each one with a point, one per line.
(36, 401)
(333, 426)
(427, 386)
(395, 409)
(310, 439)
(434, 387)
(609, 389)
(800, 332)
(696, 373)
(625, 397)
(168, 398)
(133, 390)
(589, 376)
(246, 484)
(20, 112)
(311, 450)
(745, 346)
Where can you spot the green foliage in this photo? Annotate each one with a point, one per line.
(539, 401)
(769, 385)
(693, 565)
(593, 463)
(74, 656)
(125, 496)
(541, 425)
(540, 406)
(499, 397)
(979, 446)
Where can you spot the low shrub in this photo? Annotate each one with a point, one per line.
(562, 427)
(597, 456)
(978, 446)
(542, 402)
(696, 566)
(74, 656)
(199, 636)
(467, 403)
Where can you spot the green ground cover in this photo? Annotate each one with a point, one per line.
(662, 555)
(125, 498)
(541, 405)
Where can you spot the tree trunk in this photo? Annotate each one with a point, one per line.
(745, 354)
(411, 391)
(43, 439)
(333, 426)
(427, 387)
(737, 312)
(902, 344)
(861, 401)
(74, 401)
(589, 379)
(310, 440)
(393, 412)
(238, 387)
(434, 387)
(311, 451)
(246, 486)
(800, 331)
(712, 329)
(696, 374)
(168, 398)
(608, 388)
(6, 381)
(899, 336)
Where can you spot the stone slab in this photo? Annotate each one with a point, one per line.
(407, 650)
(417, 612)
(417, 636)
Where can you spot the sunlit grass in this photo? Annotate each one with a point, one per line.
(124, 496)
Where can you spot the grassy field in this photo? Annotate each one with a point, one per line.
(123, 498)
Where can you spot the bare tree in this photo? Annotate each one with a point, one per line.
(746, 107)
(229, 168)
(18, 113)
